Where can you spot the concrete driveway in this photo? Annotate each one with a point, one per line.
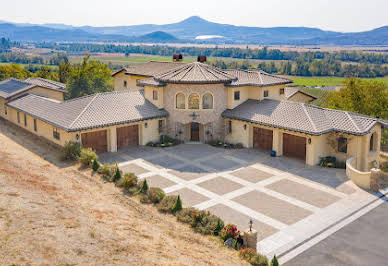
(288, 201)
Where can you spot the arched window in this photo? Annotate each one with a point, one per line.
(207, 101)
(180, 101)
(194, 101)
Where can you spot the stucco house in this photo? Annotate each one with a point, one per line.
(194, 102)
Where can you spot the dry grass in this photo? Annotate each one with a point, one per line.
(51, 213)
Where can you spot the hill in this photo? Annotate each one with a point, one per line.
(158, 37)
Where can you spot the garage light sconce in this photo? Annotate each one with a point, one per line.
(245, 127)
(309, 140)
(145, 124)
(77, 136)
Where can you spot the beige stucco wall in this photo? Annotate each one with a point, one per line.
(53, 94)
(148, 93)
(300, 97)
(44, 129)
(210, 118)
(2, 107)
(361, 179)
(131, 81)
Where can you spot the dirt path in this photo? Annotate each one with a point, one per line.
(53, 214)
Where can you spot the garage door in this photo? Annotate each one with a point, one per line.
(96, 140)
(294, 146)
(262, 138)
(127, 136)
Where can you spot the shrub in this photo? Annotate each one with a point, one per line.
(229, 231)
(186, 215)
(259, 260)
(117, 176)
(71, 151)
(87, 156)
(107, 171)
(384, 166)
(155, 194)
(144, 187)
(127, 181)
(247, 254)
(177, 205)
(207, 224)
(144, 198)
(95, 165)
(167, 203)
(274, 261)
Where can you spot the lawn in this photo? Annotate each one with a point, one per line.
(325, 81)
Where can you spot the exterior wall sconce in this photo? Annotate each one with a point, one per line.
(309, 140)
(250, 225)
(145, 124)
(245, 127)
(77, 136)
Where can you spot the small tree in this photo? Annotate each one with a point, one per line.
(117, 175)
(274, 261)
(95, 165)
(177, 205)
(144, 187)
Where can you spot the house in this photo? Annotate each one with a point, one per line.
(201, 103)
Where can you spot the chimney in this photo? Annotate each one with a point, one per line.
(177, 57)
(201, 58)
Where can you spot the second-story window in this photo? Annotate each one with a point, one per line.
(56, 134)
(281, 91)
(265, 93)
(237, 95)
(125, 83)
(155, 95)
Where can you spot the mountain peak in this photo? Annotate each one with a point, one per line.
(194, 19)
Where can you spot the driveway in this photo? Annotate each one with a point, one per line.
(288, 201)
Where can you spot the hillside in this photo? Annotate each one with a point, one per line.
(53, 214)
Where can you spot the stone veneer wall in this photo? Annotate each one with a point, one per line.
(211, 119)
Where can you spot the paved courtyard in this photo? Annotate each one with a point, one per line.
(288, 201)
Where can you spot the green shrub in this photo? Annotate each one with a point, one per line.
(384, 166)
(117, 176)
(155, 194)
(259, 260)
(87, 156)
(229, 231)
(207, 224)
(127, 181)
(186, 215)
(95, 165)
(71, 151)
(144, 187)
(167, 203)
(274, 261)
(177, 205)
(247, 254)
(107, 171)
(144, 198)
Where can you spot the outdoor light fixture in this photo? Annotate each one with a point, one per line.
(309, 140)
(77, 136)
(245, 126)
(250, 225)
(146, 125)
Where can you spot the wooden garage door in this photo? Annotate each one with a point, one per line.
(127, 136)
(294, 146)
(262, 138)
(96, 140)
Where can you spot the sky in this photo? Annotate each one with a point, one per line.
(336, 15)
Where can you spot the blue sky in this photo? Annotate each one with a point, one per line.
(338, 15)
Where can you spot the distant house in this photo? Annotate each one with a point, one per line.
(200, 103)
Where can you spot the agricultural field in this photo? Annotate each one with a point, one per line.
(325, 81)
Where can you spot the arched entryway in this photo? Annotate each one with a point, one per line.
(194, 131)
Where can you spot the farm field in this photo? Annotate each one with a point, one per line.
(325, 81)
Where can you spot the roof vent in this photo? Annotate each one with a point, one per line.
(201, 58)
(177, 57)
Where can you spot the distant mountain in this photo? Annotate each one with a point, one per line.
(195, 30)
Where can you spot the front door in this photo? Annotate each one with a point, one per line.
(194, 131)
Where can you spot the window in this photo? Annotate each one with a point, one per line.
(125, 83)
(371, 142)
(342, 144)
(194, 101)
(18, 116)
(5, 110)
(237, 95)
(265, 93)
(25, 120)
(56, 134)
(160, 125)
(281, 91)
(180, 101)
(154, 95)
(230, 126)
(35, 126)
(207, 101)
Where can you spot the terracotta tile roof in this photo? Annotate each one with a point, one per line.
(98, 110)
(301, 117)
(47, 83)
(255, 78)
(152, 68)
(289, 92)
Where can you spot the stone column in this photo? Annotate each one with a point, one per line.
(375, 175)
(250, 239)
(112, 139)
